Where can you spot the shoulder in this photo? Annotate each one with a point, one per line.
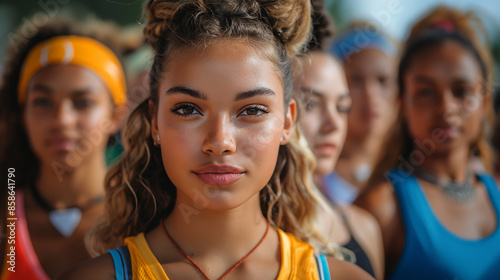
(99, 268)
(340, 270)
(360, 219)
(380, 200)
(367, 232)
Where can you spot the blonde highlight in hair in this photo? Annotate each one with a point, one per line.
(279, 30)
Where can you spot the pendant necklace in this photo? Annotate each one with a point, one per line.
(457, 192)
(198, 267)
(64, 220)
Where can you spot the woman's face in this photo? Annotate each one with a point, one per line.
(220, 118)
(371, 78)
(327, 103)
(443, 103)
(68, 115)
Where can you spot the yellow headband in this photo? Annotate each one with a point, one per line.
(76, 50)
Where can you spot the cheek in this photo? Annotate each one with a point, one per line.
(97, 118)
(310, 124)
(259, 153)
(178, 145)
(415, 121)
(343, 128)
(34, 129)
(474, 124)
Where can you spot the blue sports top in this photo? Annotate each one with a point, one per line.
(433, 252)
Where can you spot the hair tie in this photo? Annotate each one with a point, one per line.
(356, 40)
(76, 50)
(446, 24)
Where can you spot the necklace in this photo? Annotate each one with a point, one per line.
(198, 267)
(64, 220)
(362, 172)
(457, 192)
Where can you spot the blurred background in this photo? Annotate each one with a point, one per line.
(393, 16)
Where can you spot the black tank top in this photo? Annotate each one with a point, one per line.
(353, 245)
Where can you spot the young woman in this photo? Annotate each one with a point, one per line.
(369, 60)
(60, 102)
(439, 218)
(211, 168)
(327, 102)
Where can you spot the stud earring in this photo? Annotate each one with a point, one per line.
(281, 140)
(157, 141)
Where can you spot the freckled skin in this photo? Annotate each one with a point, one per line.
(219, 132)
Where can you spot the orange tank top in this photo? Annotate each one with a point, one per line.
(297, 259)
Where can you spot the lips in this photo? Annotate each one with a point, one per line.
(62, 143)
(449, 132)
(326, 149)
(219, 175)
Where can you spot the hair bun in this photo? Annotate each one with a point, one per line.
(159, 15)
(290, 21)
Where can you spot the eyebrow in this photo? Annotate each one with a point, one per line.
(239, 96)
(312, 91)
(427, 80)
(317, 93)
(186, 91)
(44, 89)
(254, 92)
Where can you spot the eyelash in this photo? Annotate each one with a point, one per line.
(262, 109)
(256, 107)
(184, 106)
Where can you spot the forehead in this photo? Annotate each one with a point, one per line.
(321, 72)
(370, 61)
(446, 61)
(230, 65)
(66, 77)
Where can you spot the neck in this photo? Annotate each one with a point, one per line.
(206, 231)
(361, 150)
(353, 156)
(452, 165)
(64, 187)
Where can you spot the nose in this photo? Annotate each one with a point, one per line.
(447, 105)
(372, 93)
(331, 119)
(64, 115)
(219, 138)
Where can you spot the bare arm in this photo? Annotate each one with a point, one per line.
(382, 203)
(367, 231)
(100, 268)
(340, 270)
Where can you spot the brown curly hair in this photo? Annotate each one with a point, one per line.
(139, 192)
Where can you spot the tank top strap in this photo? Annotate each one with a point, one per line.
(122, 262)
(492, 189)
(323, 269)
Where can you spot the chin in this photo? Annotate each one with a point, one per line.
(219, 199)
(324, 168)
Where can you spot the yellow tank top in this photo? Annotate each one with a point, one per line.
(297, 259)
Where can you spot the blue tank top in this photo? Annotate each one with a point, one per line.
(430, 250)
